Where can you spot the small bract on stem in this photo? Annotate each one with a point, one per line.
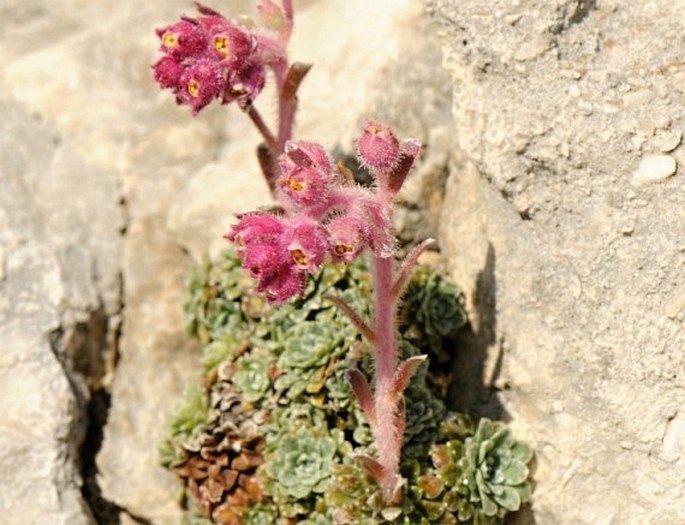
(327, 217)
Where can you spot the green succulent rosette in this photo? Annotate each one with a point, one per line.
(432, 311)
(278, 375)
(187, 420)
(252, 377)
(487, 473)
(261, 515)
(301, 465)
(307, 350)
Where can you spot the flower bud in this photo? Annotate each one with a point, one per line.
(305, 154)
(378, 148)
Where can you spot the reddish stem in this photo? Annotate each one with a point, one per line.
(388, 440)
(261, 126)
(289, 16)
(287, 106)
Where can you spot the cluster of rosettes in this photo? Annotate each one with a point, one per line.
(329, 217)
(210, 57)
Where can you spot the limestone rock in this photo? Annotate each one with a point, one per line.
(573, 276)
(58, 293)
(654, 168)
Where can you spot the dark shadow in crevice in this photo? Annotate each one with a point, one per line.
(106, 512)
(470, 390)
(472, 387)
(523, 516)
(582, 11)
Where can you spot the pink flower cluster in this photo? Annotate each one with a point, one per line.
(327, 217)
(210, 57)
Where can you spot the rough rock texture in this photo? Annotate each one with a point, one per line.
(59, 302)
(565, 225)
(562, 220)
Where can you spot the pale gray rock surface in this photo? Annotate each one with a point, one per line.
(59, 299)
(573, 274)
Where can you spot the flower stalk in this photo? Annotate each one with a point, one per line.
(328, 219)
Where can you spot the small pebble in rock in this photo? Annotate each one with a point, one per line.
(669, 141)
(654, 169)
(676, 303)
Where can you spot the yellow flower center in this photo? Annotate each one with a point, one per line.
(169, 39)
(297, 186)
(374, 130)
(193, 88)
(299, 257)
(221, 45)
(342, 249)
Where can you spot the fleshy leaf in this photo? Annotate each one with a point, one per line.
(362, 391)
(404, 374)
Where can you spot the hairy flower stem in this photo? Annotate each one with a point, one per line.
(289, 15)
(388, 440)
(287, 107)
(261, 126)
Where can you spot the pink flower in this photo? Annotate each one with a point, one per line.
(348, 238)
(304, 186)
(211, 57)
(182, 40)
(255, 228)
(201, 83)
(378, 148)
(245, 84)
(264, 260)
(262, 241)
(281, 286)
(168, 72)
(304, 154)
(307, 243)
(305, 173)
(230, 44)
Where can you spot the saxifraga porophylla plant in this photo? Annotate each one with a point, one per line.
(307, 395)
(329, 218)
(323, 217)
